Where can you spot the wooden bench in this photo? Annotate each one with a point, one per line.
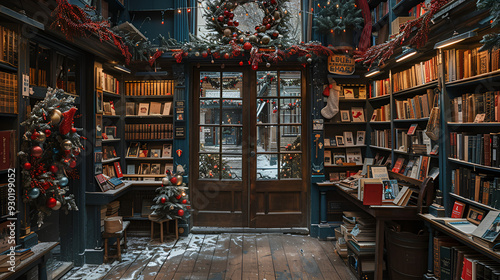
(122, 234)
(39, 259)
(154, 220)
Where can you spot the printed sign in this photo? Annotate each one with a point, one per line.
(340, 64)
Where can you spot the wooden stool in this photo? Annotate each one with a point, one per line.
(118, 235)
(161, 221)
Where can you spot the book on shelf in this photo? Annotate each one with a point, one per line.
(458, 210)
(328, 158)
(489, 228)
(102, 182)
(380, 88)
(148, 131)
(118, 169)
(475, 107)
(382, 114)
(481, 188)
(475, 148)
(7, 149)
(8, 43)
(466, 63)
(9, 102)
(381, 138)
(109, 170)
(398, 166)
(150, 88)
(353, 155)
(415, 107)
(418, 74)
(391, 190)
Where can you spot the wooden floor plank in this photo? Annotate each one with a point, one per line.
(100, 271)
(281, 268)
(78, 273)
(188, 261)
(155, 263)
(173, 259)
(303, 245)
(264, 258)
(250, 268)
(235, 257)
(219, 260)
(293, 258)
(136, 268)
(205, 257)
(338, 264)
(316, 252)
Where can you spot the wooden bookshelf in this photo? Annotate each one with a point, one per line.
(472, 202)
(105, 161)
(415, 89)
(474, 165)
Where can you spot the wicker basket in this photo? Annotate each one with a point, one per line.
(113, 224)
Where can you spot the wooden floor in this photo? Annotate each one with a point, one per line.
(223, 256)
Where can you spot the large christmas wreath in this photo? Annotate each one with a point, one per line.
(49, 152)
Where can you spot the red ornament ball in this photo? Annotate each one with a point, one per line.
(163, 200)
(247, 46)
(226, 55)
(27, 166)
(73, 130)
(230, 23)
(48, 132)
(72, 164)
(221, 18)
(34, 135)
(53, 169)
(173, 180)
(226, 13)
(204, 54)
(180, 212)
(268, 26)
(51, 202)
(273, 2)
(188, 207)
(36, 151)
(241, 63)
(236, 23)
(184, 201)
(178, 197)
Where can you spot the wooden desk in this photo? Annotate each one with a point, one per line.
(39, 259)
(381, 213)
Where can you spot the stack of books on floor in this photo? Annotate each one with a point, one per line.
(113, 209)
(341, 234)
(104, 210)
(362, 235)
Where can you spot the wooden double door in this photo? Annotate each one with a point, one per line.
(249, 149)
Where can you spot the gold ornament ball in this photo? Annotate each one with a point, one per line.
(58, 206)
(253, 39)
(66, 145)
(41, 137)
(227, 32)
(55, 116)
(266, 39)
(277, 15)
(262, 29)
(179, 180)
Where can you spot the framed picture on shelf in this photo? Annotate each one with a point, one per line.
(360, 138)
(358, 114)
(98, 126)
(327, 142)
(98, 157)
(167, 151)
(145, 168)
(362, 92)
(143, 109)
(333, 142)
(133, 150)
(143, 153)
(475, 215)
(130, 168)
(156, 168)
(98, 168)
(107, 108)
(155, 108)
(339, 158)
(349, 141)
(340, 140)
(344, 116)
(155, 153)
(99, 101)
(110, 131)
(328, 157)
(353, 155)
(130, 109)
(348, 93)
(167, 108)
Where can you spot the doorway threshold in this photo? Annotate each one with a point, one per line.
(218, 230)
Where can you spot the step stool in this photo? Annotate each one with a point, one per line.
(160, 222)
(118, 235)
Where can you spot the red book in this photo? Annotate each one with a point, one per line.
(467, 269)
(118, 170)
(398, 165)
(458, 210)
(373, 194)
(412, 129)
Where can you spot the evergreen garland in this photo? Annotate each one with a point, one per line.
(338, 16)
(491, 41)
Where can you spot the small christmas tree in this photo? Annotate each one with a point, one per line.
(209, 167)
(171, 202)
(49, 154)
(292, 163)
(338, 16)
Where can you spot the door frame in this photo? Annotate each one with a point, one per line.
(249, 77)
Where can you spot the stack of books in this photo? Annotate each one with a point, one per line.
(104, 210)
(113, 208)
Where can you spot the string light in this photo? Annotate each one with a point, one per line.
(179, 11)
(162, 18)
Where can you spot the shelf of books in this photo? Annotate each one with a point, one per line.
(148, 129)
(344, 146)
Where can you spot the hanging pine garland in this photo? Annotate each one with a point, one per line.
(49, 152)
(338, 16)
(380, 53)
(75, 22)
(230, 84)
(491, 41)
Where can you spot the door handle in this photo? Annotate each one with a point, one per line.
(252, 154)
